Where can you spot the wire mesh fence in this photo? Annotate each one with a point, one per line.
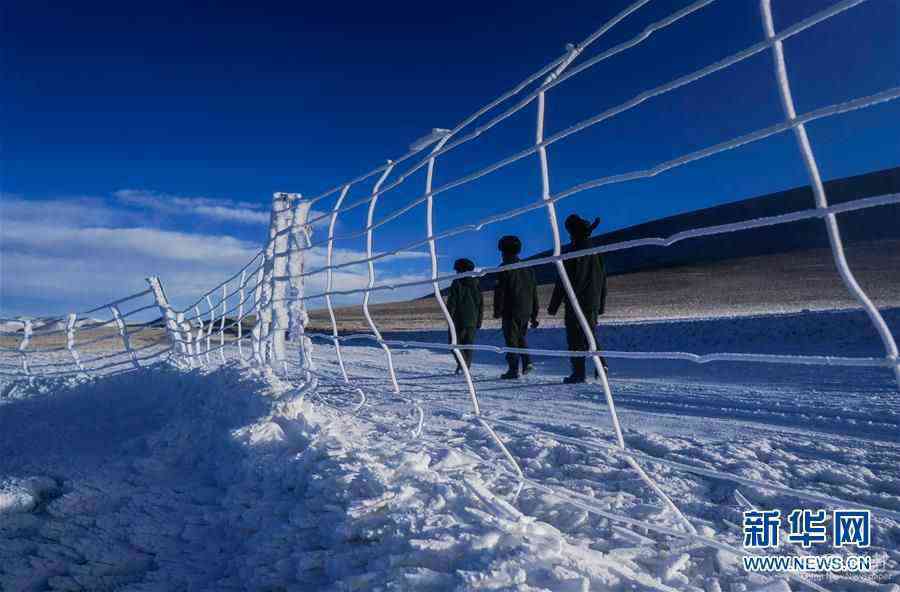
(250, 317)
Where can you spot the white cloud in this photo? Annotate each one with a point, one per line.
(226, 210)
(94, 254)
(233, 214)
(144, 243)
(218, 209)
(69, 211)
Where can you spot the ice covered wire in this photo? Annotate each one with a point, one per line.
(106, 338)
(534, 89)
(550, 77)
(558, 72)
(265, 293)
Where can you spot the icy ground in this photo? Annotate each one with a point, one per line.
(227, 479)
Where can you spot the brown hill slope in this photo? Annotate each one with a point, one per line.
(768, 283)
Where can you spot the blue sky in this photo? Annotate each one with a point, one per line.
(147, 139)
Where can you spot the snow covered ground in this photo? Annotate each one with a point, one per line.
(230, 479)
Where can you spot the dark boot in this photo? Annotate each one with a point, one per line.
(513, 372)
(577, 375)
(527, 366)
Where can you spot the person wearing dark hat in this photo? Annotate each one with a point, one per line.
(516, 303)
(466, 307)
(588, 277)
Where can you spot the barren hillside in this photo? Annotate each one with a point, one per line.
(785, 282)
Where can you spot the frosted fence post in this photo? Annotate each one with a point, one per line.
(369, 241)
(26, 339)
(262, 346)
(70, 341)
(198, 339)
(222, 322)
(305, 342)
(256, 344)
(812, 170)
(168, 315)
(209, 328)
(190, 346)
(279, 318)
(256, 332)
(240, 315)
(301, 239)
(123, 333)
(329, 280)
(587, 330)
(184, 330)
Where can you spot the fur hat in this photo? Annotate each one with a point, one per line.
(510, 244)
(463, 265)
(578, 227)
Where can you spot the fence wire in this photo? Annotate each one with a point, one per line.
(250, 308)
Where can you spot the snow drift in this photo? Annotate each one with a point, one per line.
(162, 480)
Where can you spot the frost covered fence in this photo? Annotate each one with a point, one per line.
(553, 75)
(589, 504)
(262, 303)
(536, 89)
(286, 315)
(105, 339)
(27, 331)
(812, 169)
(170, 318)
(124, 335)
(253, 316)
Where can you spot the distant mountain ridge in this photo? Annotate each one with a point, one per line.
(863, 225)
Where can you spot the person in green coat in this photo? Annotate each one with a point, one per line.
(466, 307)
(516, 303)
(588, 277)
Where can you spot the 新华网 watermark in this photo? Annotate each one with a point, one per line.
(842, 529)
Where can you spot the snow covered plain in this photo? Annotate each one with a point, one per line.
(229, 479)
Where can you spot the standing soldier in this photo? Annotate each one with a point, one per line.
(516, 302)
(466, 307)
(588, 277)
